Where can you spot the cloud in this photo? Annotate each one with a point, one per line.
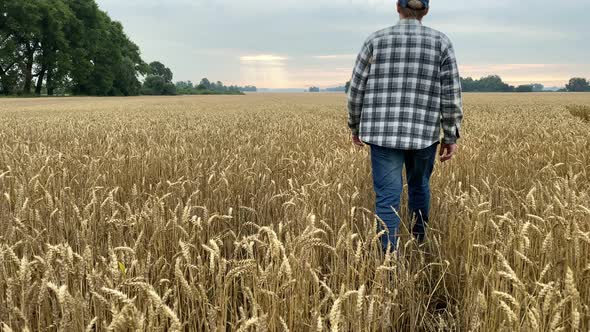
(525, 73)
(269, 59)
(286, 43)
(526, 31)
(511, 67)
(335, 57)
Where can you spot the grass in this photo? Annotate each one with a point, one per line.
(216, 213)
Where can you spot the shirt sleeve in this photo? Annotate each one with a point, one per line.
(358, 83)
(451, 99)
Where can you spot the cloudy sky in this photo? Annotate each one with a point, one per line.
(300, 43)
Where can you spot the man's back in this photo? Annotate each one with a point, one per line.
(405, 82)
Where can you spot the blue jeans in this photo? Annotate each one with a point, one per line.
(387, 165)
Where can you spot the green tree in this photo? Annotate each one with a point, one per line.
(30, 43)
(157, 85)
(578, 84)
(158, 69)
(9, 70)
(83, 32)
(184, 88)
(126, 82)
(219, 87)
(53, 60)
(128, 65)
(9, 59)
(159, 80)
(492, 83)
(19, 42)
(248, 88)
(524, 88)
(468, 84)
(111, 64)
(204, 85)
(187, 88)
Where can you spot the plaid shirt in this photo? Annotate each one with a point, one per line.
(404, 86)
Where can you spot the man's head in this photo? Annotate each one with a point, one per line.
(412, 8)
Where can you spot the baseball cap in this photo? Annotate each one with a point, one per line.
(404, 3)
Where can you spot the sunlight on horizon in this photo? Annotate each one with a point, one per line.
(275, 72)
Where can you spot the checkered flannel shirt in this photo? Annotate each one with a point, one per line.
(404, 86)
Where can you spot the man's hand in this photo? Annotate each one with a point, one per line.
(357, 141)
(447, 151)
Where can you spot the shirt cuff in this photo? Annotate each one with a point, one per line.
(355, 131)
(450, 140)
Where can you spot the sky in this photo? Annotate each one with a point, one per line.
(302, 43)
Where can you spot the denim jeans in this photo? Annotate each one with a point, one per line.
(387, 165)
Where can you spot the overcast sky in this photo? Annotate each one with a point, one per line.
(300, 43)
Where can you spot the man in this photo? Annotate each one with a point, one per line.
(404, 87)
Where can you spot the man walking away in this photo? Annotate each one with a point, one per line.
(404, 87)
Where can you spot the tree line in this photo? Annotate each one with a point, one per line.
(58, 47)
(159, 82)
(494, 83)
(206, 87)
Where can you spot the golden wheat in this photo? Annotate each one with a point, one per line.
(254, 212)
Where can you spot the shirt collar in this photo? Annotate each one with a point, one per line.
(409, 21)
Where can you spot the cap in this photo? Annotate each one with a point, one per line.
(404, 3)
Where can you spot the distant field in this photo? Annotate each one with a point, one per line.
(215, 213)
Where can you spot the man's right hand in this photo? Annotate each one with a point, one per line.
(447, 151)
(357, 141)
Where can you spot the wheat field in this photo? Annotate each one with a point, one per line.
(254, 213)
